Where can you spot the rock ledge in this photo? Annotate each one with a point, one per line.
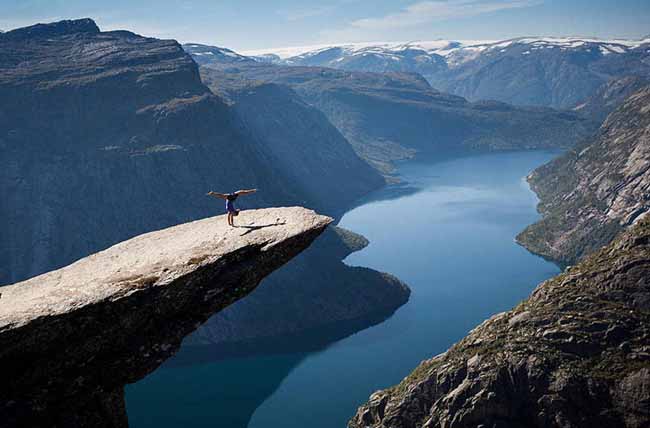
(72, 338)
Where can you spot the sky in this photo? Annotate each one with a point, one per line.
(245, 25)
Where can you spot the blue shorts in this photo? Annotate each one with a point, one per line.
(230, 207)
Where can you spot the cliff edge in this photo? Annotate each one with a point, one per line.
(593, 192)
(72, 338)
(574, 354)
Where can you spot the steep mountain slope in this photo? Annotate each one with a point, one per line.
(106, 135)
(124, 118)
(301, 141)
(596, 190)
(545, 72)
(610, 96)
(389, 116)
(574, 354)
(542, 71)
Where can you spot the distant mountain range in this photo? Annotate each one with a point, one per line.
(542, 71)
(205, 54)
(453, 52)
(390, 116)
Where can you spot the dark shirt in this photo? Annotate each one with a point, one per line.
(231, 196)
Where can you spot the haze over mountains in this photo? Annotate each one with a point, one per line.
(389, 116)
(542, 71)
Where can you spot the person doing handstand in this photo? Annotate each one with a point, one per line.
(230, 202)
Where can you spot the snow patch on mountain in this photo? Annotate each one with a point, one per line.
(455, 52)
(205, 53)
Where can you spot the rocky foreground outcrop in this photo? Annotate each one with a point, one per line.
(598, 189)
(575, 354)
(72, 338)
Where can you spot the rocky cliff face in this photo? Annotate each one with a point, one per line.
(72, 338)
(596, 190)
(610, 96)
(390, 116)
(575, 354)
(105, 135)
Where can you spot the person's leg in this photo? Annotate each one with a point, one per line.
(229, 218)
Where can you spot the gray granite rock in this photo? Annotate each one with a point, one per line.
(72, 338)
(574, 354)
(594, 191)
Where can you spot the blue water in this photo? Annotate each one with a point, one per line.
(448, 232)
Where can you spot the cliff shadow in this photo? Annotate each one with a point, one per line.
(223, 385)
(224, 393)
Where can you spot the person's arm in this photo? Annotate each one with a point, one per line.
(217, 195)
(245, 192)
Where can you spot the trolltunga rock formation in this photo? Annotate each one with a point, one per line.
(72, 338)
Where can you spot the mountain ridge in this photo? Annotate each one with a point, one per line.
(573, 354)
(433, 45)
(392, 116)
(559, 72)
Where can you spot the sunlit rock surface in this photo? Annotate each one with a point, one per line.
(72, 338)
(574, 354)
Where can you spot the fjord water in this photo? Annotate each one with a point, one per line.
(448, 232)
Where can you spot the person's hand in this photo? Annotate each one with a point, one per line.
(210, 193)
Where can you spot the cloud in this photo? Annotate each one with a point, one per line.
(416, 17)
(425, 12)
(429, 11)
